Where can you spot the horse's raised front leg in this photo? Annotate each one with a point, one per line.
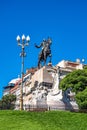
(38, 62)
(50, 58)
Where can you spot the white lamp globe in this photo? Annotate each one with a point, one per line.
(27, 38)
(23, 37)
(18, 38)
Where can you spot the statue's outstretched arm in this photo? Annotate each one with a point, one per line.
(37, 45)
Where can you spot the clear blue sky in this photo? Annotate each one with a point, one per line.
(65, 21)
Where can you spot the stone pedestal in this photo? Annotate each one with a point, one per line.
(46, 92)
(42, 82)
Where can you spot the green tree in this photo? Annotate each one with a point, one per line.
(8, 101)
(0, 104)
(81, 99)
(77, 80)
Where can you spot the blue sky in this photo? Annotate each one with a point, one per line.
(65, 21)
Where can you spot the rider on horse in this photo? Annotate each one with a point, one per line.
(46, 51)
(43, 44)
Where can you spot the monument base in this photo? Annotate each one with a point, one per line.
(46, 92)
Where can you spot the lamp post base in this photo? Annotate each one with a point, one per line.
(21, 104)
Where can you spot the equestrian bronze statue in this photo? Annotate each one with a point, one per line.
(45, 52)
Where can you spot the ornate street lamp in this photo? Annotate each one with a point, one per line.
(24, 42)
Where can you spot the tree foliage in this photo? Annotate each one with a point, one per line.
(8, 101)
(81, 99)
(77, 80)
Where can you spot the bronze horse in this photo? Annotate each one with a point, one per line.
(46, 51)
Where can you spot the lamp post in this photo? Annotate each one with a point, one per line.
(24, 42)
